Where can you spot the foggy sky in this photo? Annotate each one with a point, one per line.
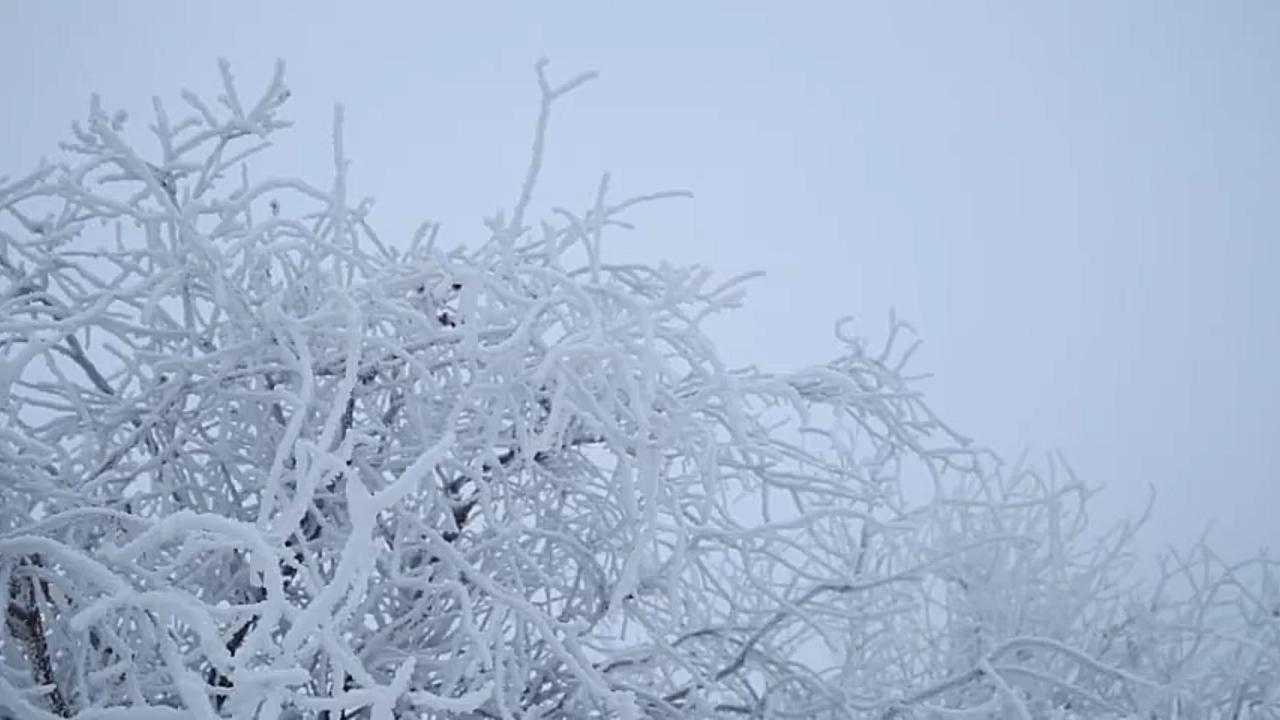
(1077, 207)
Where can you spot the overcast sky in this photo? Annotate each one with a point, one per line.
(1076, 206)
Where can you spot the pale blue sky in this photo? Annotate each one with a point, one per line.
(1076, 205)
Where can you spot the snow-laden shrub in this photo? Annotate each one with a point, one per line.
(258, 462)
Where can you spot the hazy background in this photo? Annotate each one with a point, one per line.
(1077, 208)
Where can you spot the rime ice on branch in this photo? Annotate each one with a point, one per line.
(255, 462)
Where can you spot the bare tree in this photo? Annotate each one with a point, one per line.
(255, 462)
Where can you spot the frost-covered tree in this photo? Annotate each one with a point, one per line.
(258, 462)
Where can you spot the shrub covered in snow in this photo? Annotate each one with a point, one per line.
(258, 462)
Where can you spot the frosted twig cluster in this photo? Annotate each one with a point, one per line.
(257, 462)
